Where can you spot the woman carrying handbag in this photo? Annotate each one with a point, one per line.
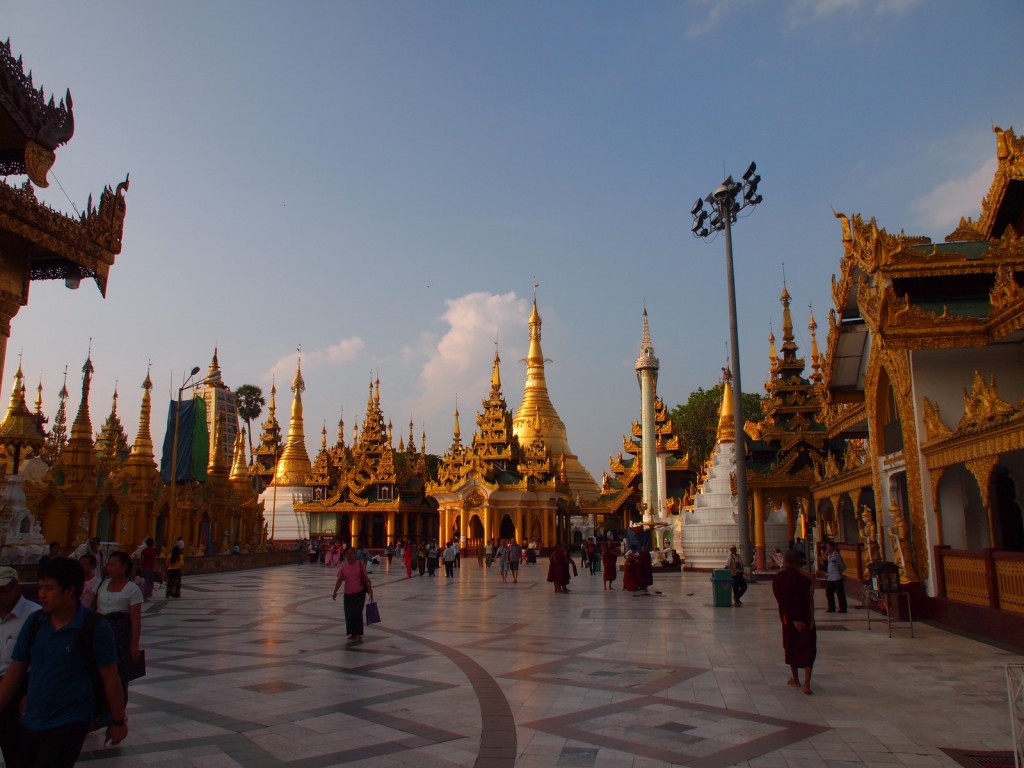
(352, 575)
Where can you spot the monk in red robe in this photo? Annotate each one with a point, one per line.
(609, 564)
(631, 570)
(558, 568)
(794, 591)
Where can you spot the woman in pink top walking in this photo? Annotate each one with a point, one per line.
(352, 575)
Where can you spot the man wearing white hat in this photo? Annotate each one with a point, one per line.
(14, 609)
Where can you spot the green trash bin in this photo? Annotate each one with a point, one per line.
(721, 587)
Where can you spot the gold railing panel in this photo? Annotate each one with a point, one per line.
(1010, 582)
(965, 579)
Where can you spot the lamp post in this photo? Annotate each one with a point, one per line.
(174, 457)
(724, 207)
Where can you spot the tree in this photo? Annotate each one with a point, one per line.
(249, 401)
(697, 419)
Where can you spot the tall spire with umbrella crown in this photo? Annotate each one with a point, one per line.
(143, 447)
(456, 432)
(536, 402)
(81, 429)
(647, 366)
(294, 464)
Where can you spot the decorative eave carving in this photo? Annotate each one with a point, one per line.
(968, 231)
(982, 405)
(935, 428)
(1010, 157)
(44, 125)
(63, 245)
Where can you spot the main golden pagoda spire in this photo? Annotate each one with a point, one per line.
(537, 419)
(294, 464)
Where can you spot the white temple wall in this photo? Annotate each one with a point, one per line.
(283, 522)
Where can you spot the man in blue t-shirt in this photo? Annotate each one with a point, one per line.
(61, 699)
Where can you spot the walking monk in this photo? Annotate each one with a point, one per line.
(794, 591)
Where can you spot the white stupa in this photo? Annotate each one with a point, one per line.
(711, 527)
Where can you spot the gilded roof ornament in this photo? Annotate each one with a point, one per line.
(935, 428)
(982, 404)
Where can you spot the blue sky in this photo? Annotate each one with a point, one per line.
(382, 183)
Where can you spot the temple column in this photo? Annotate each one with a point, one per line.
(389, 528)
(351, 530)
(464, 528)
(13, 296)
(787, 505)
(487, 524)
(545, 531)
(759, 562)
(517, 520)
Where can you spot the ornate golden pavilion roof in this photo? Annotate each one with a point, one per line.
(58, 436)
(19, 428)
(369, 474)
(267, 451)
(496, 456)
(790, 442)
(916, 294)
(536, 417)
(112, 442)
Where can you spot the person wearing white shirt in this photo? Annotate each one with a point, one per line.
(14, 610)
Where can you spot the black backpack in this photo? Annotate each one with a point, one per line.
(101, 714)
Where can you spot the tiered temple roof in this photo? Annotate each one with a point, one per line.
(267, 452)
(790, 445)
(620, 486)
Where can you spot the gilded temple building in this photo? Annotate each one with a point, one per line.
(924, 365)
(789, 449)
(371, 491)
(501, 486)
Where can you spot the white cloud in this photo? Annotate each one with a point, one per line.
(460, 361)
(711, 13)
(283, 369)
(803, 11)
(943, 206)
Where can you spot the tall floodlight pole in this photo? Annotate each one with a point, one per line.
(725, 203)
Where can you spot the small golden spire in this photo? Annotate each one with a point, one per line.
(456, 432)
(341, 429)
(323, 437)
(423, 439)
(496, 373)
(726, 422)
(412, 440)
(812, 326)
(773, 356)
(239, 472)
(39, 397)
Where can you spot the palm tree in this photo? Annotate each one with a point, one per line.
(249, 401)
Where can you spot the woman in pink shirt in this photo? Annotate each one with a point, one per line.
(352, 574)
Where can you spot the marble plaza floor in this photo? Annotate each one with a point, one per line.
(253, 669)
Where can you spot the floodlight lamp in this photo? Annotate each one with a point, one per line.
(697, 206)
(695, 228)
(756, 200)
(705, 232)
(194, 371)
(751, 170)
